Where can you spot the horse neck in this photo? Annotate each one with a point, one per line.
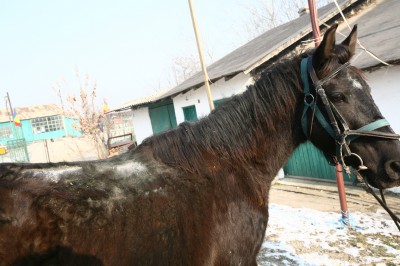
(256, 130)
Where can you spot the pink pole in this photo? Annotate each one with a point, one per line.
(338, 167)
(342, 193)
(314, 21)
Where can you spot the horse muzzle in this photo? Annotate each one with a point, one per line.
(392, 169)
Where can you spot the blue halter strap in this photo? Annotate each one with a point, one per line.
(343, 136)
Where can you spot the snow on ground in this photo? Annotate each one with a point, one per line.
(395, 190)
(302, 236)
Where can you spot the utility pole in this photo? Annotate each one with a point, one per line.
(338, 167)
(203, 66)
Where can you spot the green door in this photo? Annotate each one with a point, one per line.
(219, 102)
(308, 161)
(189, 112)
(162, 117)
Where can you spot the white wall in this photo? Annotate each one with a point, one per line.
(142, 124)
(385, 87)
(219, 90)
(384, 84)
(66, 149)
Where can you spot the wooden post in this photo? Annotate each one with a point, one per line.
(203, 66)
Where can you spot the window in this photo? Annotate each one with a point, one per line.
(219, 102)
(47, 124)
(190, 113)
(6, 132)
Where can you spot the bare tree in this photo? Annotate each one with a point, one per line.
(86, 109)
(268, 14)
(183, 67)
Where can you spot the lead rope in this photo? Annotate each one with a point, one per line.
(363, 182)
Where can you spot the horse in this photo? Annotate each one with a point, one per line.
(196, 194)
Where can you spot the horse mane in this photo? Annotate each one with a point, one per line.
(235, 130)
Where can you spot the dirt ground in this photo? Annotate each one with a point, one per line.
(324, 196)
(303, 231)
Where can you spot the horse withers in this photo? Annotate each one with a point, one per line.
(197, 194)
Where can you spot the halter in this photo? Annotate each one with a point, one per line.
(337, 127)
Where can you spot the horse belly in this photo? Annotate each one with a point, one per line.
(239, 234)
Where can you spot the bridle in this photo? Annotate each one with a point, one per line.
(337, 127)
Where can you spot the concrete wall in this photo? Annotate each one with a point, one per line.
(142, 124)
(385, 88)
(66, 149)
(219, 90)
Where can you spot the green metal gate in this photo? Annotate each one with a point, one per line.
(18, 151)
(162, 117)
(308, 161)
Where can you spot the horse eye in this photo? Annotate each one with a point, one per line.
(337, 97)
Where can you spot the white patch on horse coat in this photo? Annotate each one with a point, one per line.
(130, 168)
(55, 174)
(356, 83)
(115, 197)
(157, 190)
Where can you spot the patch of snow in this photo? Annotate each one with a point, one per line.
(352, 251)
(302, 236)
(394, 189)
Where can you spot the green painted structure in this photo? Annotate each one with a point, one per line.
(308, 161)
(189, 112)
(162, 116)
(17, 138)
(26, 131)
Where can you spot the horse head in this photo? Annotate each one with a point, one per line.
(345, 121)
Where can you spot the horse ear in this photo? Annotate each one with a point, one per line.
(325, 49)
(351, 41)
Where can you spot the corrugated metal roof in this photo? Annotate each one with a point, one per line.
(33, 111)
(379, 31)
(141, 101)
(260, 49)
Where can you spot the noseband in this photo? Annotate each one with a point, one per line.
(337, 127)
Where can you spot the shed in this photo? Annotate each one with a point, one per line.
(379, 32)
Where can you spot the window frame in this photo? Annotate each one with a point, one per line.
(46, 124)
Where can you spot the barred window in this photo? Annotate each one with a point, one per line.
(6, 133)
(47, 124)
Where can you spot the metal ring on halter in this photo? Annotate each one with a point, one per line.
(361, 166)
(309, 99)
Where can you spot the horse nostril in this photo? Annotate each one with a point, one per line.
(395, 166)
(393, 169)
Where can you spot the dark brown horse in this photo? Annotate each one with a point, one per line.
(195, 195)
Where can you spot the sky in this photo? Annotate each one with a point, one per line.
(128, 47)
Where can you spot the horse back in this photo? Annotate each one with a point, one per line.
(120, 211)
